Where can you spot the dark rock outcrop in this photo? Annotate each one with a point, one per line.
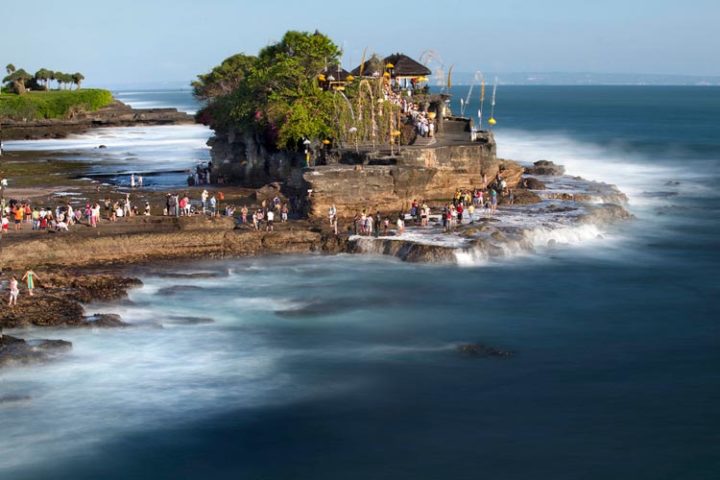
(105, 320)
(115, 115)
(16, 351)
(532, 183)
(545, 167)
(478, 350)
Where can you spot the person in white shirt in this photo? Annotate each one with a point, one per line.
(270, 218)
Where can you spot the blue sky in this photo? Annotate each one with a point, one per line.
(115, 42)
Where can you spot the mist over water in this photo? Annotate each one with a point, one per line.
(345, 367)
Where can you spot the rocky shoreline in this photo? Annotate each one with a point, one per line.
(117, 114)
(90, 265)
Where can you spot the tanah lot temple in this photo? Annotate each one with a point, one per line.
(398, 142)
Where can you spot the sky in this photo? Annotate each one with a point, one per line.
(115, 42)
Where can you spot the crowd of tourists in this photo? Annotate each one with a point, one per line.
(60, 218)
(264, 218)
(424, 125)
(462, 209)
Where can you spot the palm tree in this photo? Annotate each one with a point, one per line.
(18, 79)
(43, 75)
(61, 79)
(77, 79)
(51, 76)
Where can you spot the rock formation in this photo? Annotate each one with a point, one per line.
(115, 115)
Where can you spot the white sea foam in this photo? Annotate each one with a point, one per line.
(633, 175)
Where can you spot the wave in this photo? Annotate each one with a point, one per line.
(638, 176)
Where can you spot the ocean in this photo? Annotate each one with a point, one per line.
(347, 366)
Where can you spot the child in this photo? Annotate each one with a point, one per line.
(14, 291)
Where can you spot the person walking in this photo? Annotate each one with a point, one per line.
(30, 277)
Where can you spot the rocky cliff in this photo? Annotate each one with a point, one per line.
(115, 115)
(365, 179)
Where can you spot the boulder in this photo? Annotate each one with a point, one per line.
(478, 350)
(105, 320)
(16, 351)
(532, 183)
(545, 167)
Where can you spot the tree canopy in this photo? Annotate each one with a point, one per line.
(19, 80)
(275, 93)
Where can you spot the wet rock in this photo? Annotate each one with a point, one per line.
(193, 275)
(14, 398)
(478, 350)
(179, 289)
(102, 146)
(187, 320)
(532, 183)
(16, 351)
(521, 197)
(605, 214)
(545, 167)
(105, 320)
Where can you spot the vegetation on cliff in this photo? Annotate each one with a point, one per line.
(282, 95)
(56, 104)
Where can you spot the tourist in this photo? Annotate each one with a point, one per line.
(284, 211)
(203, 199)
(19, 213)
(14, 291)
(243, 214)
(332, 213)
(132, 180)
(493, 200)
(30, 277)
(140, 181)
(127, 207)
(270, 218)
(147, 208)
(213, 206)
(35, 219)
(5, 224)
(400, 224)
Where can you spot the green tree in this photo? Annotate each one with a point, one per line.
(10, 68)
(43, 76)
(17, 79)
(225, 78)
(276, 94)
(77, 79)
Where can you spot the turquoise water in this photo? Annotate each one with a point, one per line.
(346, 367)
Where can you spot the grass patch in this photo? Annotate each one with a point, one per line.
(54, 104)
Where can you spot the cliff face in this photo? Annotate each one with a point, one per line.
(430, 174)
(241, 158)
(355, 181)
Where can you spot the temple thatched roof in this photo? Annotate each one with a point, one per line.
(403, 66)
(337, 73)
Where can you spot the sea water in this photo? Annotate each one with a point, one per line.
(163, 155)
(346, 366)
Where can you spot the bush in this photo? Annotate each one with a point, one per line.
(52, 104)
